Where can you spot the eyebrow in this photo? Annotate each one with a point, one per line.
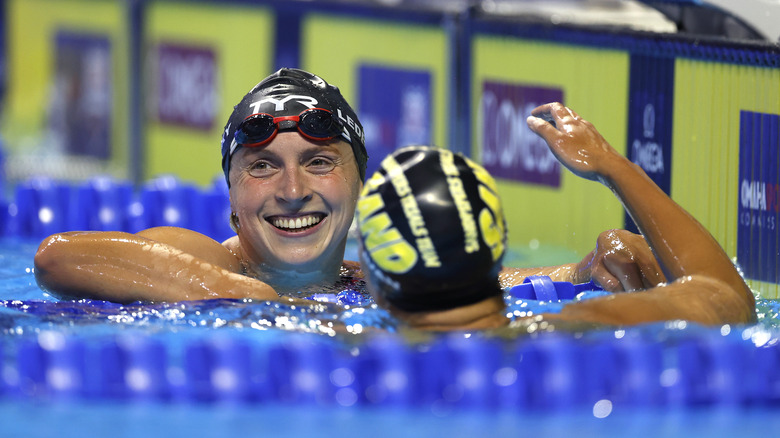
(309, 150)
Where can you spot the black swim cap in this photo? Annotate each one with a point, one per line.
(432, 231)
(288, 92)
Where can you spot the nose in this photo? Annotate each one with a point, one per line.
(294, 188)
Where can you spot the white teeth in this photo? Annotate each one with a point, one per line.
(293, 224)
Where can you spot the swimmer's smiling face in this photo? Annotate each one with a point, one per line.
(295, 200)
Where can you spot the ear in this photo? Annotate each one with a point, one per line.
(233, 218)
(234, 224)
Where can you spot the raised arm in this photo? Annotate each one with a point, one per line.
(159, 264)
(704, 286)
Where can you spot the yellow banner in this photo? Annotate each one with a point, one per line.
(396, 45)
(543, 219)
(45, 84)
(235, 44)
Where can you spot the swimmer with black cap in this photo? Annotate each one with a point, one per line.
(432, 238)
(294, 157)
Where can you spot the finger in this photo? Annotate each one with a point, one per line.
(626, 271)
(645, 259)
(573, 114)
(651, 272)
(554, 111)
(605, 279)
(541, 127)
(547, 108)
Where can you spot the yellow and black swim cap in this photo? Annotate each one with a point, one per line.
(432, 230)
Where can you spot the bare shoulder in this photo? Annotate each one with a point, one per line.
(232, 244)
(196, 244)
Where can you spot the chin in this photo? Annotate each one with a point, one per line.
(307, 262)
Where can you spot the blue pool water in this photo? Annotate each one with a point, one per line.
(226, 367)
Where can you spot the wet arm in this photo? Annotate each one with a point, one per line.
(704, 285)
(509, 277)
(124, 267)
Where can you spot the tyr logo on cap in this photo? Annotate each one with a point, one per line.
(279, 104)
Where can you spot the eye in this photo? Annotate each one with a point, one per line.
(320, 165)
(260, 169)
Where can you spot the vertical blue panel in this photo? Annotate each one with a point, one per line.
(774, 238)
(768, 225)
(81, 115)
(288, 36)
(761, 226)
(759, 196)
(136, 10)
(745, 254)
(651, 103)
(459, 34)
(395, 109)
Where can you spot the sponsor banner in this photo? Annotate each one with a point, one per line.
(81, 108)
(186, 86)
(509, 149)
(395, 110)
(758, 209)
(651, 103)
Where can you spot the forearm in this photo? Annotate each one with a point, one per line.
(681, 244)
(123, 267)
(699, 299)
(509, 277)
(700, 276)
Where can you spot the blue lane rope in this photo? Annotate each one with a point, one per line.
(551, 372)
(43, 206)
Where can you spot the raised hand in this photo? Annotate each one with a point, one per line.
(575, 142)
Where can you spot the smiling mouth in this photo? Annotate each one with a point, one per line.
(296, 224)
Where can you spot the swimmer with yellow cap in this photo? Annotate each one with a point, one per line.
(432, 239)
(433, 235)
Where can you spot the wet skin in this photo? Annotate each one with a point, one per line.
(319, 182)
(295, 200)
(682, 274)
(703, 284)
(291, 178)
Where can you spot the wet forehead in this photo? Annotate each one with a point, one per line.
(291, 145)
